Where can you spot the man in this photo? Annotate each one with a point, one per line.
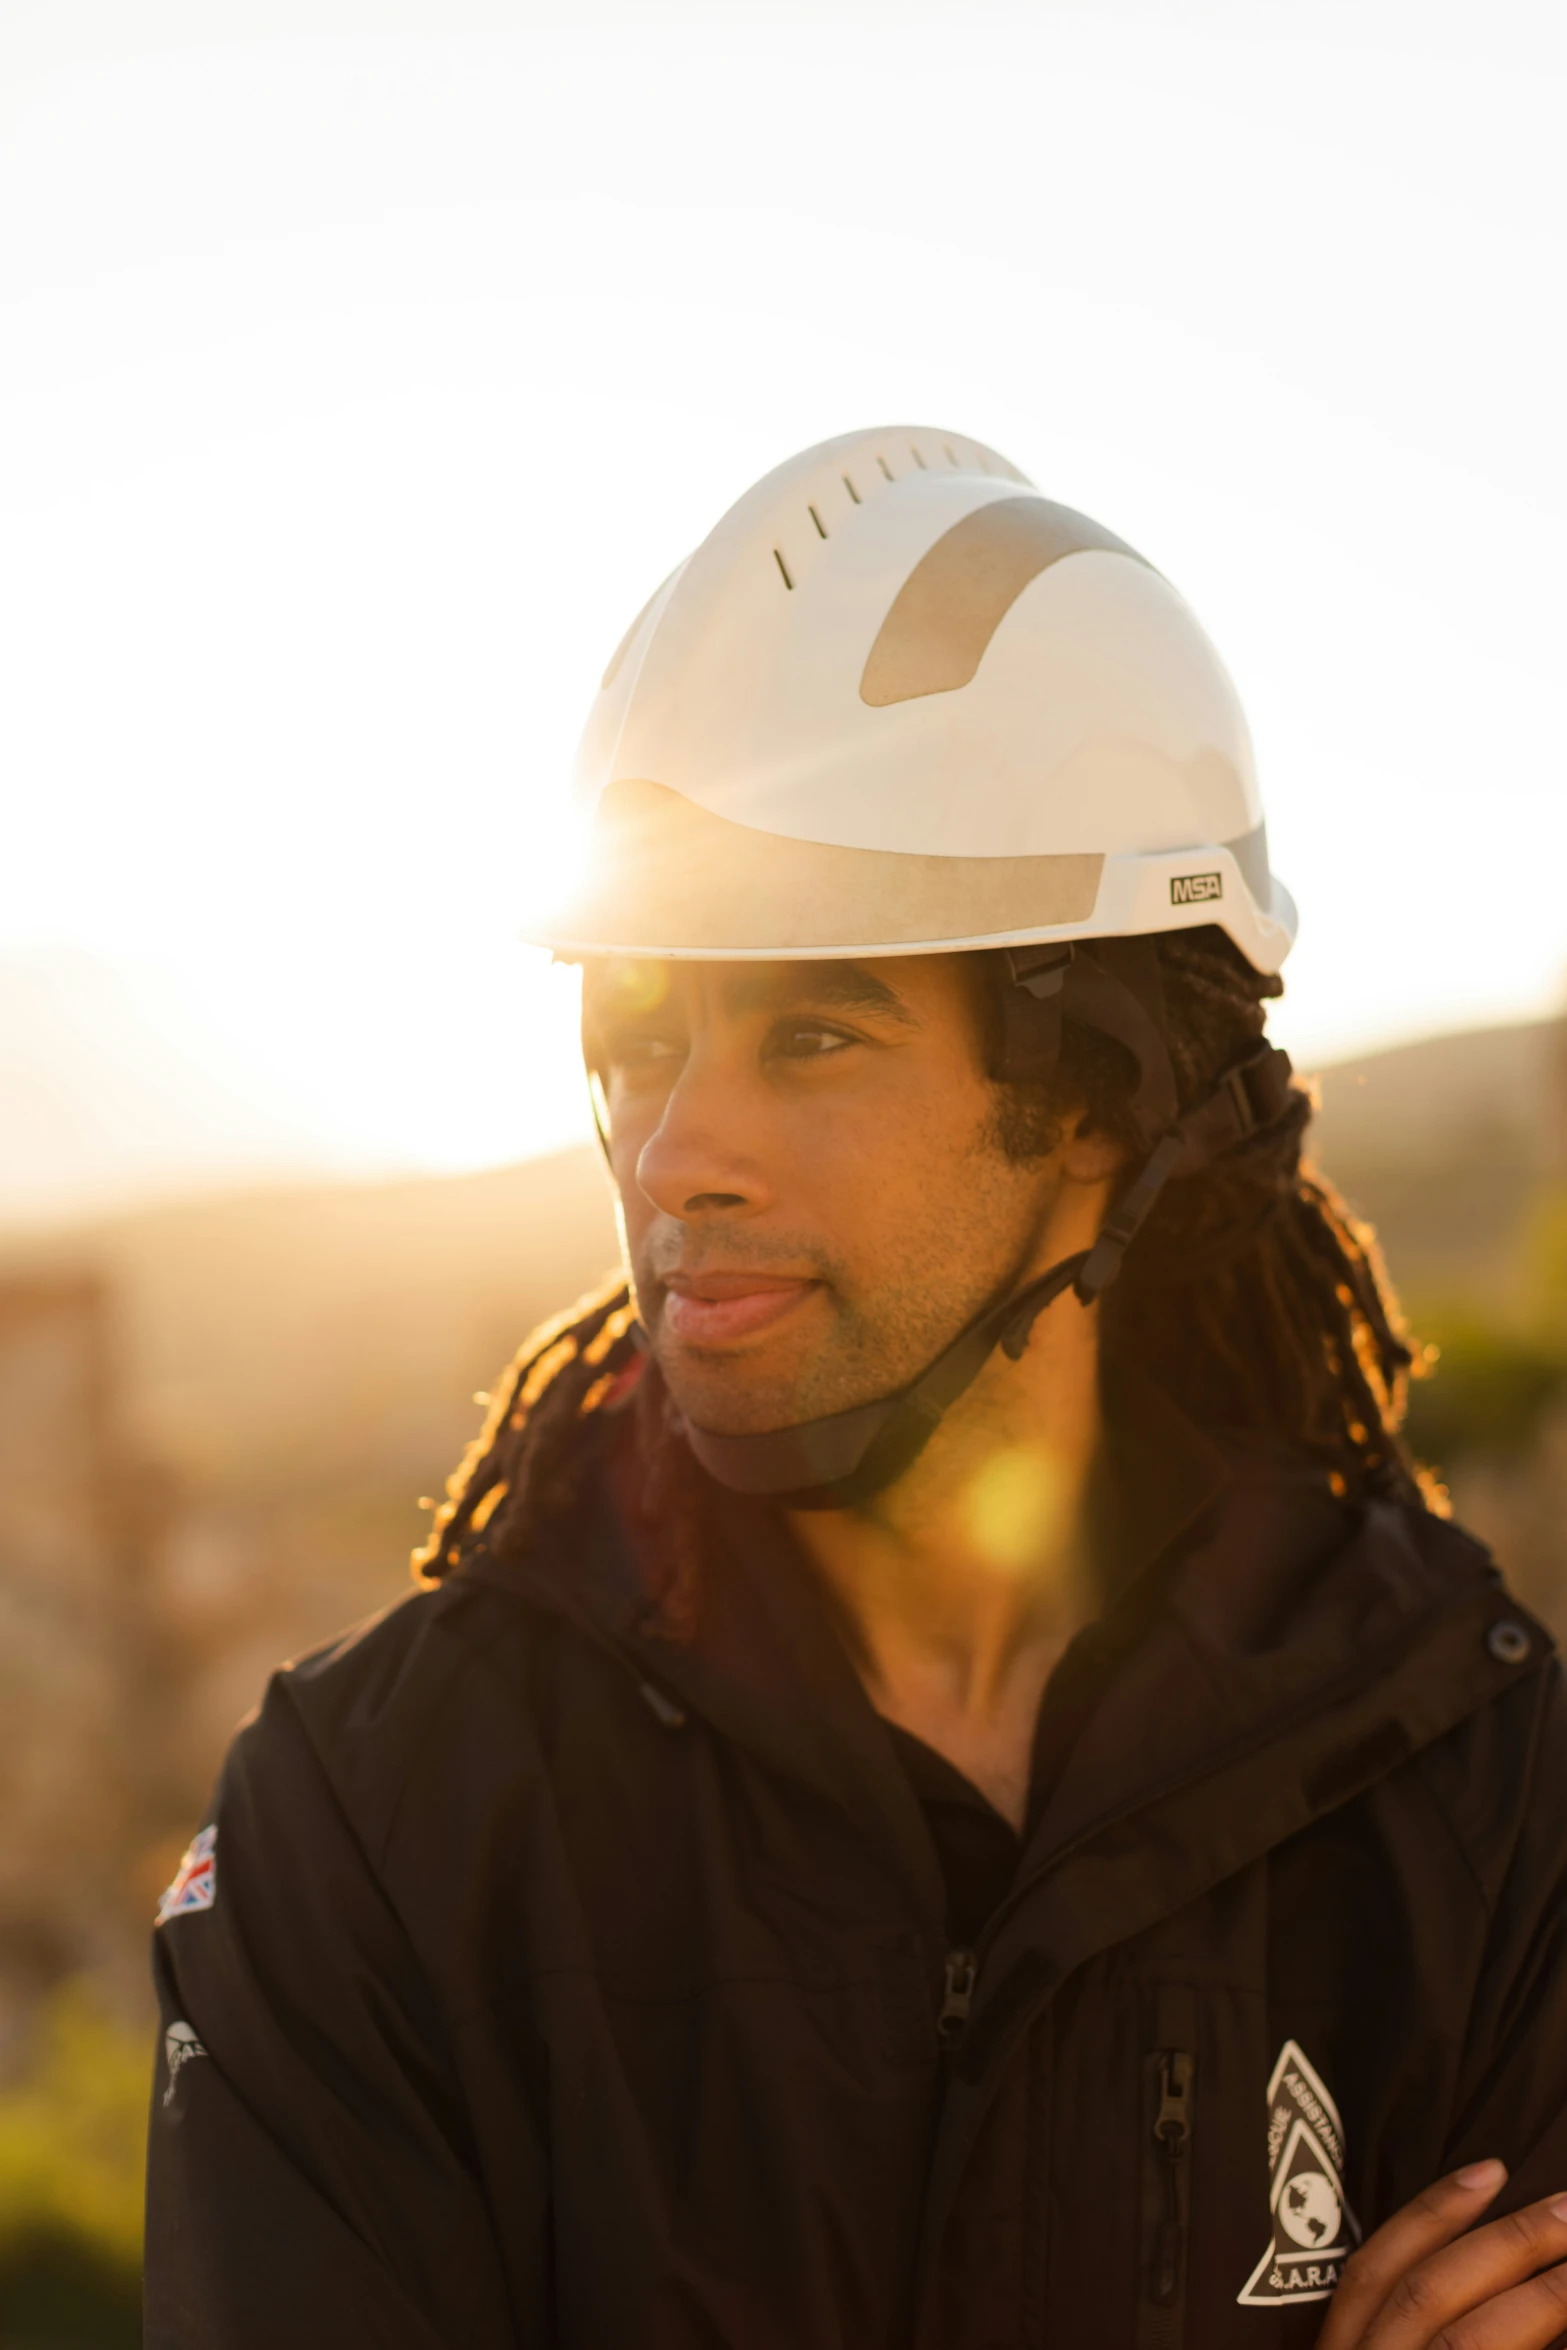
(945, 1787)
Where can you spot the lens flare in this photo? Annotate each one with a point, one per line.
(631, 989)
(1016, 1505)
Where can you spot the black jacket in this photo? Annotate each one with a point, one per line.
(566, 1985)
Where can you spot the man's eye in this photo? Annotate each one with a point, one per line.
(807, 1040)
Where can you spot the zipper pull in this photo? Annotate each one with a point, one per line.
(958, 1992)
(1172, 2135)
(1173, 2128)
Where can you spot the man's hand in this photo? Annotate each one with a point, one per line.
(1422, 2282)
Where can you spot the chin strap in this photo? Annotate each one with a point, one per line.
(847, 1457)
(843, 1459)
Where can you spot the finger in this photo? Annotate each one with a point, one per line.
(1410, 2236)
(1527, 2317)
(1466, 2278)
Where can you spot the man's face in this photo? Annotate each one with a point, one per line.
(813, 1198)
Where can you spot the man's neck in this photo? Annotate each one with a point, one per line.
(962, 1585)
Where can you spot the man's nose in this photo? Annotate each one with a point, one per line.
(700, 1160)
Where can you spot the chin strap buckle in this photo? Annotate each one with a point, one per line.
(1247, 1098)
(1040, 971)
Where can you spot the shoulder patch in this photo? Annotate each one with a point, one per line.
(1314, 2230)
(195, 1883)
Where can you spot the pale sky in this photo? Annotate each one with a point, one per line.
(367, 365)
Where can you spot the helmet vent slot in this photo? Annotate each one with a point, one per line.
(783, 568)
(946, 450)
(853, 492)
(886, 468)
(918, 459)
(821, 527)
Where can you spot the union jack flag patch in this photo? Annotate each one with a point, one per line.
(195, 1883)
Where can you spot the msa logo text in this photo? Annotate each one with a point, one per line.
(1195, 889)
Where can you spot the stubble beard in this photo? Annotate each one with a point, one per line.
(875, 1342)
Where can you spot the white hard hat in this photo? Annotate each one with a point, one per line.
(897, 702)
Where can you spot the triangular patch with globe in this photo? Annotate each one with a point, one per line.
(1314, 2230)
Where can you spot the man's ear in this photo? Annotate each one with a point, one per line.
(1089, 1155)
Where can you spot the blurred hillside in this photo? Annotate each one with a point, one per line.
(1456, 1150)
(108, 1094)
(1445, 1145)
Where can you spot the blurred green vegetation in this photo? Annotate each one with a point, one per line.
(1545, 1257)
(1499, 1364)
(1488, 1388)
(73, 2134)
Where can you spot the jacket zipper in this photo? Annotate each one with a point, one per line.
(1169, 2105)
(957, 1996)
(1173, 2136)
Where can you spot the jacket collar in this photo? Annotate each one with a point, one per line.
(1258, 1635)
(1271, 1651)
(766, 1666)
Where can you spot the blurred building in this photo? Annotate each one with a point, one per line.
(85, 1792)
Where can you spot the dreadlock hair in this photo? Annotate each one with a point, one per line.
(517, 1472)
(1251, 1292)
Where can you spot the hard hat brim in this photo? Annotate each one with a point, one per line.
(670, 879)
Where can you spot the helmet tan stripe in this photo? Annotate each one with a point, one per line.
(960, 591)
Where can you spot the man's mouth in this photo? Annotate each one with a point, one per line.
(710, 1309)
